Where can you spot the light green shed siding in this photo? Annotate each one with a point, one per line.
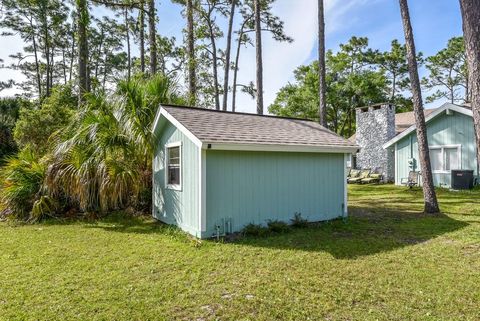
(455, 129)
(251, 187)
(178, 207)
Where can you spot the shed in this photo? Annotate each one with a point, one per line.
(215, 172)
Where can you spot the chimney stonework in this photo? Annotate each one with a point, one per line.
(376, 126)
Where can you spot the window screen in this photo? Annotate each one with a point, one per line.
(452, 159)
(436, 159)
(173, 165)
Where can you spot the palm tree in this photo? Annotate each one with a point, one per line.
(322, 108)
(103, 160)
(258, 47)
(471, 35)
(430, 198)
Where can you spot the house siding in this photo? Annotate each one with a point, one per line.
(178, 207)
(252, 187)
(456, 129)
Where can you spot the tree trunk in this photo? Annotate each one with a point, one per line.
(258, 55)
(237, 59)
(235, 72)
(82, 22)
(471, 35)
(214, 64)
(127, 37)
(431, 204)
(192, 77)
(72, 56)
(64, 67)
(99, 52)
(152, 36)
(37, 67)
(227, 54)
(322, 108)
(394, 84)
(142, 35)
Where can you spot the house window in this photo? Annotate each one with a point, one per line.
(445, 158)
(174, 165)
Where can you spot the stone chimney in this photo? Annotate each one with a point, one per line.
(376, 126)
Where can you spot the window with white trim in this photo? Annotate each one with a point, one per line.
(174, 165)
(445, 158)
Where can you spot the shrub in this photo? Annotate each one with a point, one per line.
(9, 111)
(20, 182)
(255, 230)
(35, 125)
(298, 221)
(277, 226)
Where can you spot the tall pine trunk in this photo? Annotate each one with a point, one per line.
(471, 35)
(430, 198)
(152, 36)
(235, 72)
(258, 56)
(227, 54)
(237, 59)
(37, 66)
(214, 64)
(322, 108)
(127, 37)
(192, 77)
(82, 23)
(72, 54)
(141, 19)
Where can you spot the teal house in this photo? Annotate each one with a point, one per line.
(215, 172)
(451, 141)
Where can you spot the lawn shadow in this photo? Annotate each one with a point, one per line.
(121, 222)
(367, 231)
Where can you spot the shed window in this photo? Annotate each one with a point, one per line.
(174, 165)
(445, 158)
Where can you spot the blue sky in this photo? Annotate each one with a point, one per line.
(434, 22)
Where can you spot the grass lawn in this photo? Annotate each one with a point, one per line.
(387, 262)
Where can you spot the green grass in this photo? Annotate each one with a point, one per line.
(387, 262)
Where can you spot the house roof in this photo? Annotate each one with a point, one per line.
(466, 110)
(402, 122)
(228, 130)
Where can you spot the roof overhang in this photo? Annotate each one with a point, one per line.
(438, 112)
(163, 114)
(280, 148)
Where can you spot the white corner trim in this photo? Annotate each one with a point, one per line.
(163, 112)
(202, 187)
(439, 111)
(281, 148)
(397, 182)
(177, 187)
(345, 187)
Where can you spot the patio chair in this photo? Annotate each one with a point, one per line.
(354, 173)
(364, 173)
(411, 180)
(373, 178)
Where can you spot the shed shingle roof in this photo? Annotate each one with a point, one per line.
(211, 126)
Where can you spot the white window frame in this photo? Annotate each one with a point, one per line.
(177, 187)
(442, 148)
